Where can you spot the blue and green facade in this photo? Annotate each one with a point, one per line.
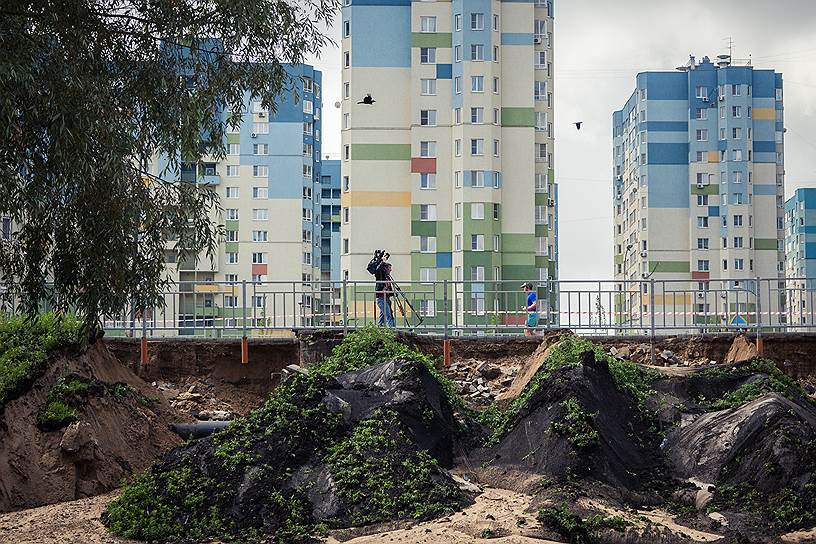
(800, 237)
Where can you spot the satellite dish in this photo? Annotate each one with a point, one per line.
(337, 104)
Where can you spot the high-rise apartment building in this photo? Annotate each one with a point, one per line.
(450, 168)
(800, 255)
(270, 189)
(698, 188)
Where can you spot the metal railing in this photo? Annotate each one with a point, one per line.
(592, 307)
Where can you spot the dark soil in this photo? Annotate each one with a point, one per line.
(115, 435)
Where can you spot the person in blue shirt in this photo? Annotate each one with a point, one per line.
(531, 308)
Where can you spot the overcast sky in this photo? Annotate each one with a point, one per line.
(600, 46)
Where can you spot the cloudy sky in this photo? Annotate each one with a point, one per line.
(600, 46)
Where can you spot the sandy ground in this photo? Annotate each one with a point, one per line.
(62, 523)
(506, 508)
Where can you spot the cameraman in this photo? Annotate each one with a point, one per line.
(384, 290)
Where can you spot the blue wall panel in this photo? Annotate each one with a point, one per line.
(668, 186)
(390, 45)
(668, 154)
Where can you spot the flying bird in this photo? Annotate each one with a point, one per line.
(367, 100)
(578, 125)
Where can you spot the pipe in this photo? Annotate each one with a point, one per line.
(199, 429)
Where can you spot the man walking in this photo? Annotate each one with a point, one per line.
(531, 308)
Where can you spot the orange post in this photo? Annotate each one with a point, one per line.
(760, 343)
(244, 350)
(446, 352)
(143, 355)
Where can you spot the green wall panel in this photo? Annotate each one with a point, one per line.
(231, 224)
(713, 189)
(423, 228)
(765, 244)
(662, 267)
(518, 117)
(381, 152)
(430, 39)
(518, 243)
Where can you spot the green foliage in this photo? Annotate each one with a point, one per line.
(377, 473)
(487, 532)
(785, 510)
(576, 426)
(24, 348)
(88, 95)
(775, 381)
(628, 377)
(577, 529)
(380, 479)
(56, 415)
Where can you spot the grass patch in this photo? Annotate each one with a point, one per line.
(785, 510)
(576, 529)
(775, 382)
(576, 426)
(24, 347)
(378, 475)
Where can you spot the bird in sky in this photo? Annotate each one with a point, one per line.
(578, 125)
(367, 100)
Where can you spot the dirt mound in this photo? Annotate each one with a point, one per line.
(114, 428)
(531, 366)
(328, 448)
(765, 443)
(741, 350)
(577, 423)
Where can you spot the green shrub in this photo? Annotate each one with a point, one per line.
(785, 510)
(775, 382)
(24, 347)
(577, 529)
(576, 426)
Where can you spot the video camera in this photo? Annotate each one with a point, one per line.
(380, 255)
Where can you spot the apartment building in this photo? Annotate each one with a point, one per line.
(270, 188)
(698, 192)
(800, 255)
(450, 168)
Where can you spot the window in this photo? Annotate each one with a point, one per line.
(541, 152)
(346, 120)
(232, 192)
(737, 154)
(427, 275)
(477, 242)
(427, 244)
(345, 246)
(427, 307)
(346, 215)
(702, 92)
(739, 264)
(702, 222)
(230, 301)
(541, 215)
(477, 115)
(308, 150)
(495, 23)
(457, 242)
(260, 214)
(231, 236)
(234, 149)
(541, 121)
(307, 171)
(427, 181)
(496, 148)
(477, 210)
(495, 116)
(457, 22)
(736, 177)
(260, 236)
(257, 107)
(541, 183)
(231, 214)
(260, 170)
(346, 59)
(736, 90)
(427, 55)
(346, 89)
(457, 147)
(477, 146)
(496, 208)
(477, 51)
(477, 21)
(307, 106)
(260, 149)
(737, 220)
(427, 118)
(702, 266)
(232, 258)
(457, 179)
(308, 127)
(496, 56)
(540, 90)
(477, 273)
(540, 28)
(495, 85)
(702, 114)
(457, 211)
(427, 212)
(260, 128)
(737, 133)
(307, 214)
(232, 170)
(457, 53)
(737, 242)
(457, 88)
(702, 135)
(722, 112)
(540, 59)
(702, 243)
(428, 87)
(307, 257)
(702, 200)
(427, 149)
(477, 178)
(477, 84)
(736, 111)
(427, 24)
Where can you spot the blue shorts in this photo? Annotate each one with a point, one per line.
(532, 320)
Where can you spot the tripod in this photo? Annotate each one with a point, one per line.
(402, 301)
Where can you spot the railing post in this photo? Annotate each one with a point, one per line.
(244, 341)
(652, 320)
(345, 306)
(446, 351)
(143, 355)
(760, 343)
